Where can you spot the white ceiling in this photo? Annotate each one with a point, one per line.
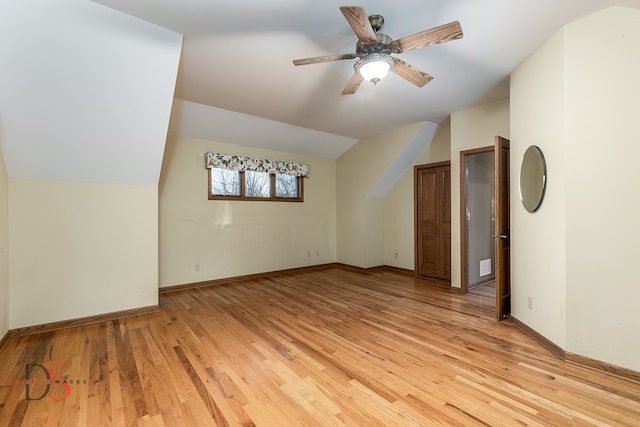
(88, 89)
(237, 56)
(85, 92)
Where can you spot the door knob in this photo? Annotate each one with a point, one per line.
(502, 236)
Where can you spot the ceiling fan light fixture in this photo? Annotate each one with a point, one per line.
(375, 66)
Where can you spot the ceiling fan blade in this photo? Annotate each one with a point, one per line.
(441, 34)
(411, 73)
(359, 22)
(327, 58)
(353, 84)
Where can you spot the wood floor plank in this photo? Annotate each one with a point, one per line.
(328, 347)
(214, 411)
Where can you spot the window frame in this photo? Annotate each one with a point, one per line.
(242, 197)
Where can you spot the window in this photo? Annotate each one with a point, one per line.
(257, 184)
(224, 182)
(287, 186)
(242, 178)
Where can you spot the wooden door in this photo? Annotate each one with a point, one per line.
(433, 220)
(502, 230)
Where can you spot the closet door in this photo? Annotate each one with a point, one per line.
(433, 220)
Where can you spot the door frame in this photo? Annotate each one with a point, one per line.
(464, 233)
(503, 259)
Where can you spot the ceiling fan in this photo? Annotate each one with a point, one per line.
(374, 49)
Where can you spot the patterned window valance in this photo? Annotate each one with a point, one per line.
(241, 163)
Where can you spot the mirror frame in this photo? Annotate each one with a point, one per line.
(533, 178)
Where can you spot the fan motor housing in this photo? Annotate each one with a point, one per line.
(382, 46)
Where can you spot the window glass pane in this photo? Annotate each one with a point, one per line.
(287, 186)
(257, 184)
(225, 182)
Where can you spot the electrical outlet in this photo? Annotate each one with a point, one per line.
(196, 266)
(530, 303)
(308, 254)
(395, 255)
(317, 253)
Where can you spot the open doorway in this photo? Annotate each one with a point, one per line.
(485, 223)
(478, 221)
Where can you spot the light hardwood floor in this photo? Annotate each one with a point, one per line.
(318, 348)
(487, 290)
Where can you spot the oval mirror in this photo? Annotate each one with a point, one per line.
(533, 178)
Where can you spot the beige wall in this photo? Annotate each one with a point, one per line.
(538, 240)
(577, 98)
(235, 238)
(471, 128)
(228, 239)
(361, 224)
(398, 206)
(80, 249)
(603, 137)
(4, 249)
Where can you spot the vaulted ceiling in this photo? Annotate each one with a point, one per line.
(237, 56)
(89, 89)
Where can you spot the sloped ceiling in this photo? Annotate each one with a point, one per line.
(85, 92)
(238, 56)
(87, 87)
